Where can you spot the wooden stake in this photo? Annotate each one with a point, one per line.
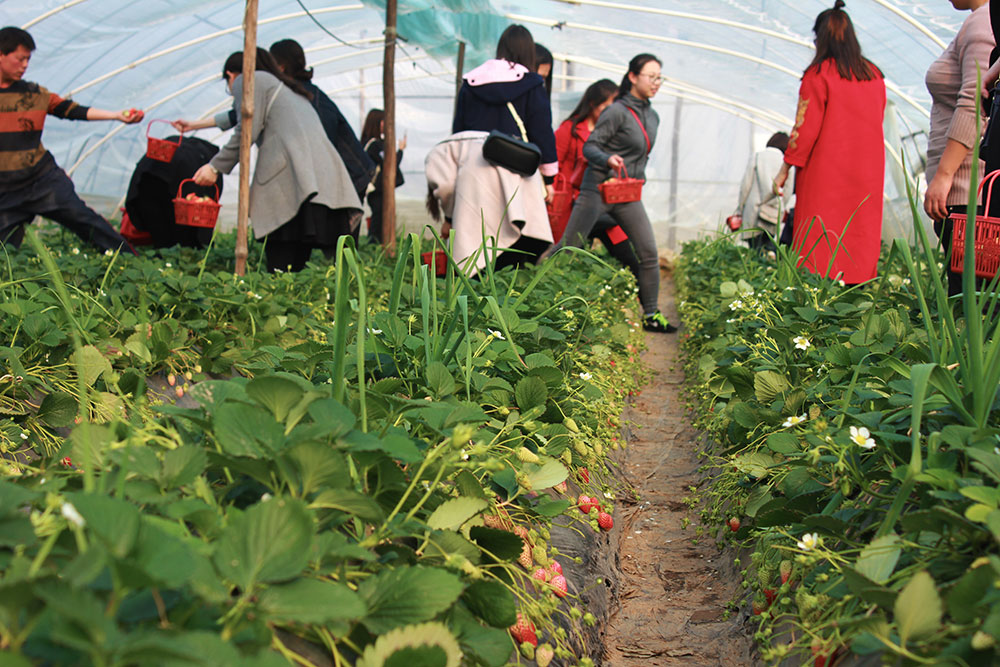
(246, 128)
(389, 161)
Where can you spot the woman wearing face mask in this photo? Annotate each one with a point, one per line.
(301, 196)
(838, 152)
(951, 81)
(622, 138)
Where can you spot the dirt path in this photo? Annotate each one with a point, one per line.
(674, 586)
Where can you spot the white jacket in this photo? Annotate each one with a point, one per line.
(484, 200)
(760, 205)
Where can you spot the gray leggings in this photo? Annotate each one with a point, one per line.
(632, 217)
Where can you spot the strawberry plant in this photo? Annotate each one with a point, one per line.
(357, 458)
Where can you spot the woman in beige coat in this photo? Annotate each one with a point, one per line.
(480, 200)
(301, 196)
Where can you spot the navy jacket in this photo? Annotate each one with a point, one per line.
(484, 108)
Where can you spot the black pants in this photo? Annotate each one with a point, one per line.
(286, 255)
(530, 250)
(375, 223)
(52, 195)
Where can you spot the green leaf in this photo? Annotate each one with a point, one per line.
(182, 465)
(12, 497)
(529, 392)
(276, 393)
(318, 466)
(352, 502)
(114, 521)
(407, 595)
(755, 464)
(783, 443)
(57, 410)
(978, 513)
(269, 542)
(426, 645)
(162, 557)
(444, 543)
(468, 485)
(553, 508)
(728, 289)
(246, 430)
(878, 560)
(546, 475)
(768, 385)
(310, 601)
(500, 543)
(440, 380)
(918, 608)
(982, 494)
(453, 513)
(965, 596)
(335, 419)
(492, 602)
(90, 364)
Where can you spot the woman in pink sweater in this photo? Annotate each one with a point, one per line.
(951, 81)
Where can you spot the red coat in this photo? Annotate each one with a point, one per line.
(838, 148)
(569, 150)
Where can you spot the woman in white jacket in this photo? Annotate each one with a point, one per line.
(478, 200)
(760, 207)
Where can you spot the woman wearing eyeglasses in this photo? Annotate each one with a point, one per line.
(622, 138)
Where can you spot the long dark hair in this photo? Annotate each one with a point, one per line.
(290, 57)
(372, 128)
(593, 97)
(516, 45)
(265, 63)
(544, 57)
(635, 67)
(837, 41)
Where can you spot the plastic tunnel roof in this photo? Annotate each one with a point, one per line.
(732, 69)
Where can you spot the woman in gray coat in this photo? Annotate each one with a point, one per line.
(301, 196)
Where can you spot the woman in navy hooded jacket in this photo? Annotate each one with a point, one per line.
(482, 105)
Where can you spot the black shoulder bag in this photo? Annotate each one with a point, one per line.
(517, 155)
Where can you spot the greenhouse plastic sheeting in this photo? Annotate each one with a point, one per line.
(732, 69)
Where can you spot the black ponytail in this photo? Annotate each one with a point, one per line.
(265, 63)
(635, 67)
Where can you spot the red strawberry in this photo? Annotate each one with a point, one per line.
(524, 631)
(558, 584)
(66, 462)
(585, 474)
(540, 574)
(586, 503)
(770, 594)
(525, 558)
(786, 570)
(555, 567)
(758, 607)
(560, 487)
(734, 524)
(605, 521)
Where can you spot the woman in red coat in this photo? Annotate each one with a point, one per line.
(838, 152)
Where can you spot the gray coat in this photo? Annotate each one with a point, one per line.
(617, 133)
(295, 160)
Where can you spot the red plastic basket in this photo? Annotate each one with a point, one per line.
(621, 191)
(196, 213)
(560, 207)
(133, 234)
(160, 149)
(986, 244)
(437, 260)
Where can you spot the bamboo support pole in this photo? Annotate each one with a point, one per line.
(246, 129)
(389, 165)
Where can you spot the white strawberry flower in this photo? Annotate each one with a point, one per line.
(808, 542)
(862, 438)
(72, 515)
(801, 343)
(496, 334)
(736, 305)
(585, 376)
(794, 420)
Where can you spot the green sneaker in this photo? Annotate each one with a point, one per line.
(657, 322)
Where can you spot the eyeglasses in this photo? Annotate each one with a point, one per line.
(655, 80)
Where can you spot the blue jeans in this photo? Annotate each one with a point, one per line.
(51, 195)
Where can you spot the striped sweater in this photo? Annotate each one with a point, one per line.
(23, 107)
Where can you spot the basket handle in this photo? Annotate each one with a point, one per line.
(990, 177)
(160, 120)
(623, 170)
(191, 180)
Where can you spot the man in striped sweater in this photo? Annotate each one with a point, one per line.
(31, 183)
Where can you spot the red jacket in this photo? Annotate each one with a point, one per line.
(569, 150)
